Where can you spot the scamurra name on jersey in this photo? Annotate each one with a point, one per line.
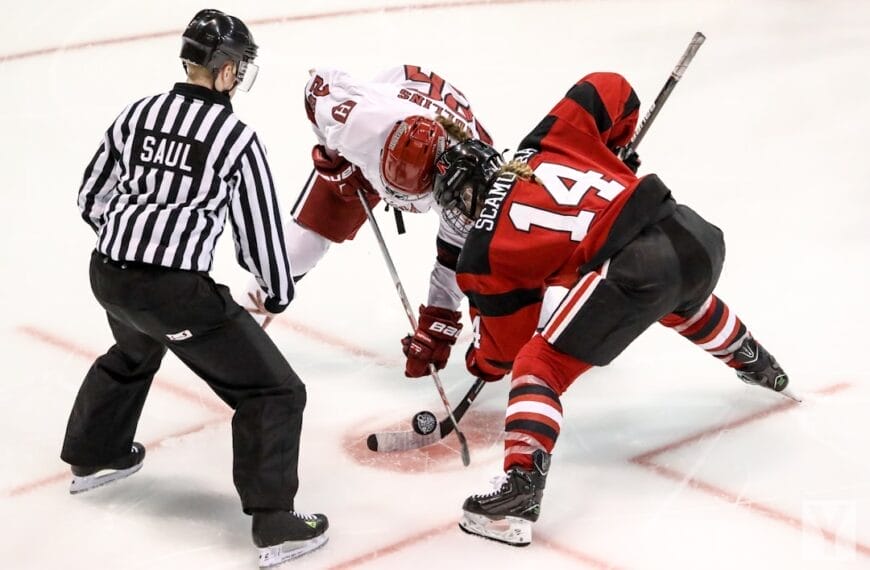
(499, 190)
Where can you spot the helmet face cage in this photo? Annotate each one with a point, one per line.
(402, 200)
(462, 180)
(457, 219)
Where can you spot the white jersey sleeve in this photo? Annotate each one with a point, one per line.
(443, 289)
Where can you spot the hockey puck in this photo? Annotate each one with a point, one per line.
(372, 442)
(424, 423)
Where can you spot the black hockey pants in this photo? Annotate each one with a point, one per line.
(672, 266)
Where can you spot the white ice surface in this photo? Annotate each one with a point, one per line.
(765, 136)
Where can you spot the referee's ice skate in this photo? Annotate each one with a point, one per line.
(87, 478)
(284, 535)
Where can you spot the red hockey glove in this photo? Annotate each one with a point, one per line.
(346, 177)
(436, 333)
(474, 367)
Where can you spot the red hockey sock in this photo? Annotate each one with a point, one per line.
(532, 421)
(713, 328)
(534, 414)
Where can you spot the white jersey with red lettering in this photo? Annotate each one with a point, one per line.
(353, 118)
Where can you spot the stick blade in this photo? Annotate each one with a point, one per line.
(387, 442)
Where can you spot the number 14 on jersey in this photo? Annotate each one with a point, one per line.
(567, 186)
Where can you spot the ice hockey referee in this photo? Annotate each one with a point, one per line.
(157, 192)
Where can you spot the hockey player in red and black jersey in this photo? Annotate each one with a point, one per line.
(568, 215)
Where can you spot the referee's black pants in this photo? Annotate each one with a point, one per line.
(148, 307)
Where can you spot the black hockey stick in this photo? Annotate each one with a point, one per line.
(463, 444)
(424, 425)
(676, 75)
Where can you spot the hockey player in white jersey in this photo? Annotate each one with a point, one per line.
(392, 127)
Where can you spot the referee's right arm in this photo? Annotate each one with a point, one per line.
(257, 228)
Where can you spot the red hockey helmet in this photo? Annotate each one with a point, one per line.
(408, 157)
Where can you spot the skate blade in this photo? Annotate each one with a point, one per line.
(509, 530)
(791, 395)
(100, 478)
(280, 553)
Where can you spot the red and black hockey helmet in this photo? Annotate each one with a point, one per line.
(463, 174)
(213, 38)
(408, 157)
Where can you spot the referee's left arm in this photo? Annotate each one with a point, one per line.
(257, 227)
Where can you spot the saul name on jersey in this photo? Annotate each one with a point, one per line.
(154, 149)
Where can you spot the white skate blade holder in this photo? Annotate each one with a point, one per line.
(84, 483)
(509, 530)
(273, 555)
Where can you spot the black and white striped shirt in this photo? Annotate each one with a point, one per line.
(169, 168)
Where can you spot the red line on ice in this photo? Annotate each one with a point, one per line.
(71, 347)
(267, 21)
(433, 532)
(64, 475)
(336, 342)
(394, 547)
(586, 559)
(83, 352)
(645, 460)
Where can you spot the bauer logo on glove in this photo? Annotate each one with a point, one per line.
(445, 329)
(436, 332)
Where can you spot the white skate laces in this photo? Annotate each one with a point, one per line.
(495, 522)
(303, 516)
(498, 482)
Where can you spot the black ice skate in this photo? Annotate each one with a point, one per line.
(506, 514)
(284, 535)
(87, 478)
(758, 367)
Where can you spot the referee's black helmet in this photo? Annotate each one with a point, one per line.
(213, 38)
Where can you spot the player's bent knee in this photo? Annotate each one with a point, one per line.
(540, 358)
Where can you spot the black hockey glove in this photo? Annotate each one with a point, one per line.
(630, 159)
